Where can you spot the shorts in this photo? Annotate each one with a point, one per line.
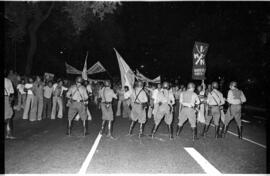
(77, 107)
(163, 110)
(107, 112)
(187, 113)
(138, 113)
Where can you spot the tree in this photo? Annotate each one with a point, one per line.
(29, 16)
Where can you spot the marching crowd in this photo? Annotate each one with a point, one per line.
(43, 98)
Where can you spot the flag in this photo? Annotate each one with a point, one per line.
(156, 80)
(199, 66)
(141, 77)
(96, 68)
(84, 72)
(72, 70)
(127, 75)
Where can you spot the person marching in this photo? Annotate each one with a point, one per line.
(165, 99)
(106, 94)
(188, 99)
(8, 109)
(77, 95)
(235, 99)
(215, 101)
(138, 112)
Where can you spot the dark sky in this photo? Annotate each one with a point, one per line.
(160, 36)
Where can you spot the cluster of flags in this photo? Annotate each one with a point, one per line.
(96, 68)
(128, 76)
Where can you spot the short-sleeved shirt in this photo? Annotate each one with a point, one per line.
(139, 96)
(29, 86)
(77, 93)
(165, 96)
(215, 98)
(107, 94)
(20, 88)
(189, 98)
(8, 87)
(236, 96)
(60, 90)
(48, 91)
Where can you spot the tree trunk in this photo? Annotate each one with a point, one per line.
(31, 51)
(32, 31)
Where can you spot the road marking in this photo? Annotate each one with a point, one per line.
(246, 121)
(90, 155)
(249, 140)
(206, 166)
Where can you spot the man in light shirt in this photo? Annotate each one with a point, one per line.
(29, 101)
(47, 100)
(106, 95)
(189, 99)
(8, 109)
(138, 103)
(235, 99)
(78, 97)
(215, 101)
(58, 89)
(21, 95)
(165, 101)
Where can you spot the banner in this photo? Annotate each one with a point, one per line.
(96, 68)
(84, 72)
(127, 75)
(156, 80)
(141, 77)
(199, 67)
(48, 76)
(72, 70)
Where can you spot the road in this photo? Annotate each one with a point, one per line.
(42, 147)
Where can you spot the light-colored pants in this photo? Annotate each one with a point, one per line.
(118, 112)
(8, 109)
(38, 106)
(29, 107)
(201, 112)
(57, 101)
(21, 101)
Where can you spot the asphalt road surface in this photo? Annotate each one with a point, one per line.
(42, 147)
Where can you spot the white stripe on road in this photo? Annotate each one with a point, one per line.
(90, 155)
(249, 140)
(206, 166)
(246, 121)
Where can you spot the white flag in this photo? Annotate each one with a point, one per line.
(72, 70)
(84, 72)
(127, 75)
(141, 77)
(96, 68)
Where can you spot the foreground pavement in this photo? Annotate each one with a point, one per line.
(42, 147)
